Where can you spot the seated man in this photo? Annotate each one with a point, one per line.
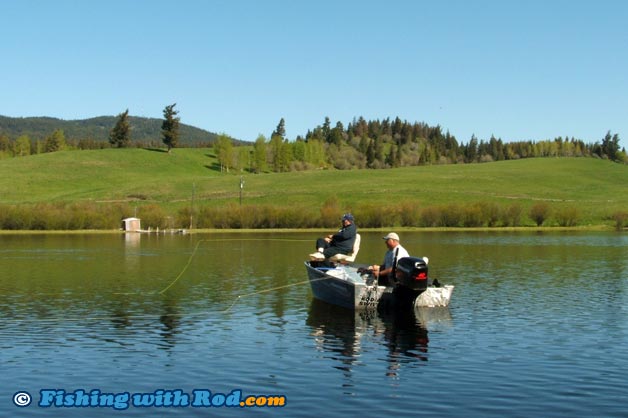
(386, 272)
(338, 243)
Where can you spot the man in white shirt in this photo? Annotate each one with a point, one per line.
(395, 251)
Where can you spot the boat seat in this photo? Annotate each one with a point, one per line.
(348, 258)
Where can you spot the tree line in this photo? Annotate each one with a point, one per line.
(363, 144)
(389, 143)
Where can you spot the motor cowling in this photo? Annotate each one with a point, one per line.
(412, 273)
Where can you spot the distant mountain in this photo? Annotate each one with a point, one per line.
(143, 130)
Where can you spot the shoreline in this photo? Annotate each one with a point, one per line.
(587, 228)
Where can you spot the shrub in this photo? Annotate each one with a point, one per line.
(473, 216)
(512, 215)
(330, 212)
(491, 213)
(430, 217)
(620, 219)
(153, 216)
(409, 214)
(539, 213)
(373, 216)
(568, 216)
(451, 216)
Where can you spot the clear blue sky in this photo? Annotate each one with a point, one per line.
(519, 70)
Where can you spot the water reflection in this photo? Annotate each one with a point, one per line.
(341, 332)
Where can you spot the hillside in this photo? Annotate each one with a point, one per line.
(145, 130)
(190, 177)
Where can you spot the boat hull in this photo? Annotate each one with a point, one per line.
(345, 286)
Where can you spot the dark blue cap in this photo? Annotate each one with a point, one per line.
(347, 217)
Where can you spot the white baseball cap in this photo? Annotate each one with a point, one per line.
(392, 235)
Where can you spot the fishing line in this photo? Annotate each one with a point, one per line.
(187, 265)
(269, 290)
(234, 239)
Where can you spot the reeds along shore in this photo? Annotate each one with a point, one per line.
(101, 216)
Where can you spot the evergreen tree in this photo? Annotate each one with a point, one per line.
(610, 146)
(5, 143)
(55, 142)
(170, 127)
(280, 130)
(120, 135)
(326, 130)
(336, 134)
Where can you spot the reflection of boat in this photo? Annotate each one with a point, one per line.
(354, 287)
(346, 335)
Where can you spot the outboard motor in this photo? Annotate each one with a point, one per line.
(411, 281)
(412, 273)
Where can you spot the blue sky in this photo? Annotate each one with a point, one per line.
(519, 70)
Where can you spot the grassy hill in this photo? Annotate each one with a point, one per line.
(144, 130)
(190, 178)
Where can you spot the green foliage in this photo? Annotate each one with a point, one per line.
(120, 135)
(511, 216)
(567, 216)
(22, 146)
(280, 130)
(170, 127)
(409, 213)
(62, 216)
(259, 155)
(539, 212)
(224, 152)
(153, 216)
(620, 219)
(330, 211)
(55, 142)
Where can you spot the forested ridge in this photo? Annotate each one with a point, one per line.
(93, 133)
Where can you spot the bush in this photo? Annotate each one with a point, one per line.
(329, 212)
(153, 216)
(539, 213)
(568, 216)
(620, 219)
(451, 216)
(473, 216)
(409, 214)
(512, 215)
(373, 216)
(430, 217)
(491, 213)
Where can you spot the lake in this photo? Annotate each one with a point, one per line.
(112, 325)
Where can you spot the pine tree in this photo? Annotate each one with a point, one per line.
(120, 135)
(170, 127)
(280, 130)
(55, 142)
(610, 146)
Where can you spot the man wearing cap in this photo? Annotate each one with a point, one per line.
(338, 243)
(394, 253)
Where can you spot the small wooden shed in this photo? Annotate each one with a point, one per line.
(131, 225)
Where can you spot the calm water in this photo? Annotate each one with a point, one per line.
(538, 326)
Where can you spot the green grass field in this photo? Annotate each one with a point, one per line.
(189, 176)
